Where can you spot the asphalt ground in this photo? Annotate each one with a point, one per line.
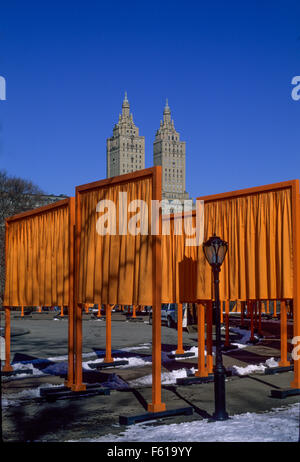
(91, 417)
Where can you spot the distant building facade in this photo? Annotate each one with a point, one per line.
(169, 152)
(125, 150)
(47, 199)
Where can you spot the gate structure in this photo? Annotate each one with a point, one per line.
(262, 228)
(39, 249)
(115, 266)
(87, 251)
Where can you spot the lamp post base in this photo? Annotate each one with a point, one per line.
(220, 399)
(220, 416)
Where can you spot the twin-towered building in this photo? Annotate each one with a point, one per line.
(126, 152)
(125, 149)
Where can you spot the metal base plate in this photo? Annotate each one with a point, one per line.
(276, 370)
(104, 365)
(125, 420)
(281, 394)
(56, 393)
(192, 380)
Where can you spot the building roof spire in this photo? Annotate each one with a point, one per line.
(125, 101)
(167, 109)
(125, 106)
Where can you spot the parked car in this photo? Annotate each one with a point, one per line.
(168, 314)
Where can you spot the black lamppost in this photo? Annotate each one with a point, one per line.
(215, 250)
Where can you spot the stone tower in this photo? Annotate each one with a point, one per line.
(125, 150)
(169, 152)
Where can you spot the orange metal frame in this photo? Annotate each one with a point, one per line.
(155, 173)
(70, 203)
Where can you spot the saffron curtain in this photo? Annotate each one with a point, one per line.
(179, 260)
(259, 263)
(115, 269)
(37, 259)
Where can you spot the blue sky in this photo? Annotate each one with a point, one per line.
(225, 66)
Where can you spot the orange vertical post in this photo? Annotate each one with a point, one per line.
(209, 339)
(255, 316)
(180, 349)
(250, 302)
(61, 311)
(227, 342)
(7, 367)
(296, 275)
(156, 405)
(202, 371)
(39, 310)
(78, 385)
(221, 311)
(242, 313)
(283, 335)
(274, 308)
(71, 318)
(99, 311)
(86, 307)
(260, 306)
(108, 356)
(133, 311)
(267, 306)
(22, 311)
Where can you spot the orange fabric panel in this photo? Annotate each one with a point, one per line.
(37, 259)
(258, 229)
(114, 269)
(179, 261)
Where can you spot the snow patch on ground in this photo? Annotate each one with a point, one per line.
(167, 378)
(242, 343)
(254, 367)
(20, 367)
(280, 425)
(17, 399)
(245, 337)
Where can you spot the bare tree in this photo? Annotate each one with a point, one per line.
(16, 196)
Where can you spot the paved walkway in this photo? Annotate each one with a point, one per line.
(95, 416)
